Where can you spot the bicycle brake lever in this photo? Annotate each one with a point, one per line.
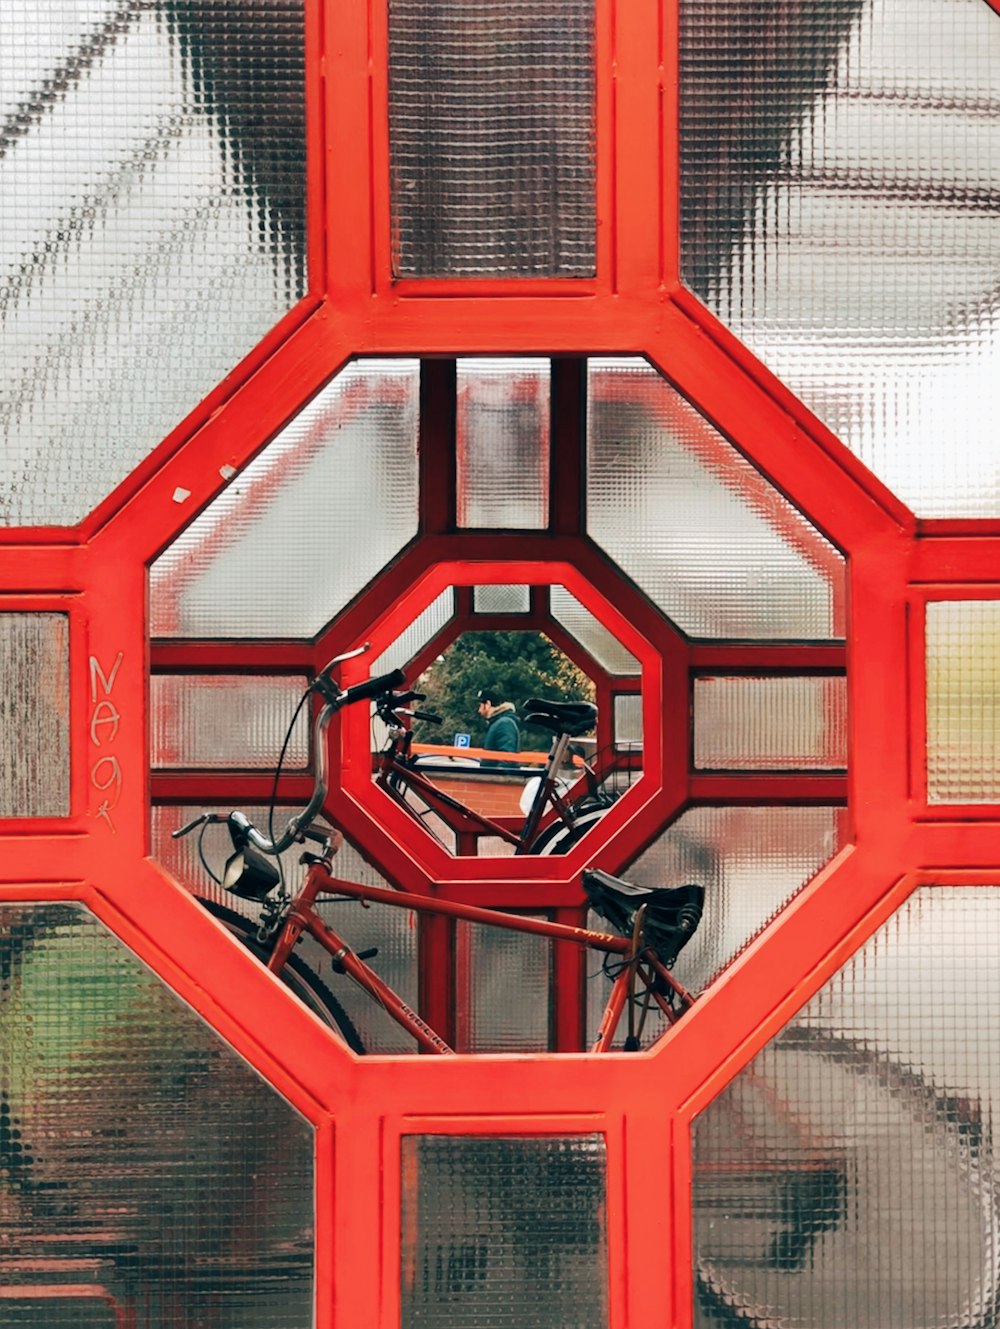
(400, 698)
(203, 820)
(348, 655)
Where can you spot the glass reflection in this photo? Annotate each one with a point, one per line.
(152, 226)
(839, 169)
(504, 1231)
(142, 1160)
(847, 1176)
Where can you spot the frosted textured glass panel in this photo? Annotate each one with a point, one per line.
(838, 166)
(137, 1139)
(707, 538)
(152, 226)
(847, 1176)
(770, 723)
(751, 861)
(595, 638)
(505, 1007)
(226, 720)
(501, 1231)
(425, 626)
(491, 137)
(503, 443)
(628, 721)
(302, 529)
(963, 701)
(28, 1306)
(501, 599)
(34, 715)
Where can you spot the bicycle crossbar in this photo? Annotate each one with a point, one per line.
(542, 927)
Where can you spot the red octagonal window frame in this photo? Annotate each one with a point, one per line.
(412, 857)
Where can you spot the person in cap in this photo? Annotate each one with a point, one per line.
(503, 733)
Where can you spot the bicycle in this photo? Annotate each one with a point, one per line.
(572, 813)
(652, 924)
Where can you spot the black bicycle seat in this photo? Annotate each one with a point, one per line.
(562, 717)
(672, 912)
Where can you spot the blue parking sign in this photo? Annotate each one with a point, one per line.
(463, 741)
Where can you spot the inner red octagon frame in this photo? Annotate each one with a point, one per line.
(401, 850)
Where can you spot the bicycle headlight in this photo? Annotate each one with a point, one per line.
(249, 874)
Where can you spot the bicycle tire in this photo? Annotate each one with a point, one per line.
(297, 976)
(410, 800)
(560, 839)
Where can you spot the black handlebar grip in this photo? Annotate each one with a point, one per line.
(427, 715)
(403, 698)
(373, 687)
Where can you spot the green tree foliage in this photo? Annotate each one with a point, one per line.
(518, 664)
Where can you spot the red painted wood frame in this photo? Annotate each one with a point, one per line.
(642, 1104)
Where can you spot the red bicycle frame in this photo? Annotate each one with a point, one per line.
(639, 962)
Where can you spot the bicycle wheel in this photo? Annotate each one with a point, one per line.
(794, 1217)
(296, 975)
(560, 838)
(412, 801)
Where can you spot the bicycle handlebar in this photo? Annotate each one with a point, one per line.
(241, 828)
(372, 687)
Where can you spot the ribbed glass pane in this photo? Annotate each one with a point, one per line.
(503, 443)
(414, 638)
(152, 226)
(751, 861)
(34, 715)
(770, 723)
(838, 162)
(595, 638)
(628, 720)
(709, 540)
(491, 137)
(501, 599)
(847, 1176)
(505, 997)
(504, 1231)
(226, 720)
(308, 523)
(30, 1305)
(137, 1143)
(963, 701)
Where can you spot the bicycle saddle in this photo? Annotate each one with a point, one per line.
(672, 912)
(562, 717)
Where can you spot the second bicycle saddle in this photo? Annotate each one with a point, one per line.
(672, 912)
(562, 717)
